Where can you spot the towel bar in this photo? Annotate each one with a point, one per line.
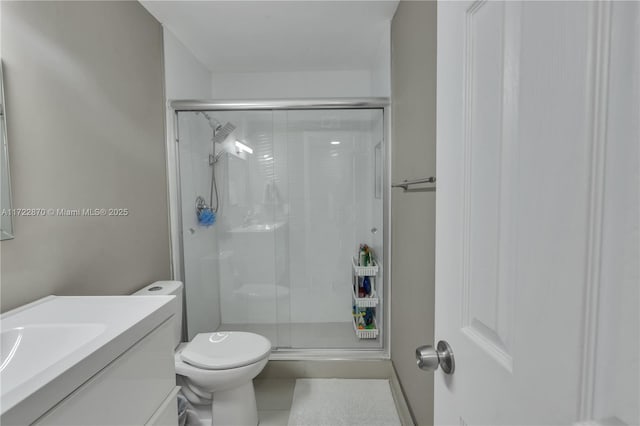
(405, 184)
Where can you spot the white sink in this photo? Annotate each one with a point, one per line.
(52, 346)
(34, 348)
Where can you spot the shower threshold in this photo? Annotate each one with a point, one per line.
(290, 337)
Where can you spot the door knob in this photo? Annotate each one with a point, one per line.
(429, 358)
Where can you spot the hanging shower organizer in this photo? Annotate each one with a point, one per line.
(367, 305)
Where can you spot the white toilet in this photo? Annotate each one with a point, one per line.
(217, 368)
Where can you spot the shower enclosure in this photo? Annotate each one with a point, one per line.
(293, 189)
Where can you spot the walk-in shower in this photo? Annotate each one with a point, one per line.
(297, 186)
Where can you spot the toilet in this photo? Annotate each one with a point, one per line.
(218, 368)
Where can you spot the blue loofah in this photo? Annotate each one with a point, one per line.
(206, 217)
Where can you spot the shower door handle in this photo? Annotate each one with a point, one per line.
(429, 358)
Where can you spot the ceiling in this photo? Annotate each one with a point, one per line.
(261, 36)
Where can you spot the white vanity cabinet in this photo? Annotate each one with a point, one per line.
(137, 388)
(89, 360)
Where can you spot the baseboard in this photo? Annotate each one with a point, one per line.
(401, 402)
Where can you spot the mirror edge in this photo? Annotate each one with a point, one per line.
(6, 219)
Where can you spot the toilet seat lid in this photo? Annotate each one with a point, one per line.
(223, 350)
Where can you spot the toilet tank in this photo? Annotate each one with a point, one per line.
(168, 288)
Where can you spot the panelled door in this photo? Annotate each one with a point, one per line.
(531, 160)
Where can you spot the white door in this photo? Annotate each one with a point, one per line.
(537, 211)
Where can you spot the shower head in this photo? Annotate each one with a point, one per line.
(222, 133)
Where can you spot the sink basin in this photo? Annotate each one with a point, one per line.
(52, 346)
(34, 348)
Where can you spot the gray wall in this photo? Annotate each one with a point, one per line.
(85, 108)
(413, 85)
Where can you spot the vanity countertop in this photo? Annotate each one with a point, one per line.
(52, 346)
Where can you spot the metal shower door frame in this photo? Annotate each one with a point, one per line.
(175, 201)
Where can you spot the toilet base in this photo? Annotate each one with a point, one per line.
(235, 407)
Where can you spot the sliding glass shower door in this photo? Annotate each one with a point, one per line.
(294, 193)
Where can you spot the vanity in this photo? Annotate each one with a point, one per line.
(89, 360)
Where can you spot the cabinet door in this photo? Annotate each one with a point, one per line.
(128, 391)
(167, 413)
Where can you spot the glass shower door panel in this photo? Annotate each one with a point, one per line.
(331, 175)
(296, 192)
(200, 243)
(249, 227)
(231, 268)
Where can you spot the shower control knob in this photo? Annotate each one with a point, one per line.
(374, 230)
(429, 358)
